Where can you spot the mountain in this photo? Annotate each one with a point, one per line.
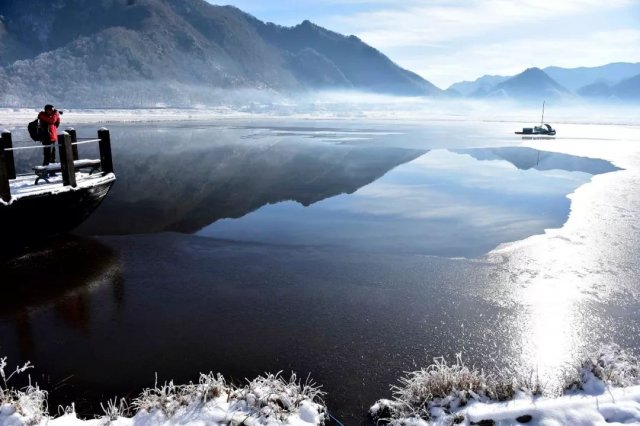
(628, 89)
(481, 85)
(176, 52)
(532, 83)
(313, 52)
(611, 81)
(577, 78)
(599, 89)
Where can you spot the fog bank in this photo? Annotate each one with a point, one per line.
(342, 105)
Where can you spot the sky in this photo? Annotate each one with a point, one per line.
(446, 41)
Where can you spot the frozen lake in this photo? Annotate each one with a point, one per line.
(348, 250)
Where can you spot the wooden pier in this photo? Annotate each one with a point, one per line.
(69, 159)
(70, 192)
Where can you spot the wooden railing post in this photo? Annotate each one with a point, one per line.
(5, 189)
(106, 160)
(7, 142)
(66, 160)
(74, 139)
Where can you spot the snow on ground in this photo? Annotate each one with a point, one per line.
(214, 412)
(604, 389)
(268, 400)
(615, 405)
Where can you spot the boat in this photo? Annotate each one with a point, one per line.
(56, 198)
(542, 130)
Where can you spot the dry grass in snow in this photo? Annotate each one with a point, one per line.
(269, 400)
(29, 403)
(604, 388)
(442, 389)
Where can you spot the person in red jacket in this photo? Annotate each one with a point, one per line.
(49, 120)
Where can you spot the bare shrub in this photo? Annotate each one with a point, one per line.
(168, 398)
(441, 389)
(29, 402)
(611, 365)
(262, 400)
(266, 397)
(115, 408)
(274, 396)
(525, 381)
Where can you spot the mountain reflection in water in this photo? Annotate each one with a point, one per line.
(528, 158)
(188, 186)
(454, 203)
(302, 186)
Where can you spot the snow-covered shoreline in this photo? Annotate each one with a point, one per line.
(269, 400)
(605, 388)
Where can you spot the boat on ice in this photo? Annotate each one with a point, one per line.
(55, 198)
(542, 131)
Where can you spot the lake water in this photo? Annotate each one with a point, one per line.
(351, 251)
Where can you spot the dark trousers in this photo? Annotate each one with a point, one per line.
(48, 152)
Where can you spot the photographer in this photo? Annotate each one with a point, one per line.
(49, 120)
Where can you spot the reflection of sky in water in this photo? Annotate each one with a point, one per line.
(442, 203)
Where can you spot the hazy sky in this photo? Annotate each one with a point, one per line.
(451, 40)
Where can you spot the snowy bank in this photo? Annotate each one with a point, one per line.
(268, 400)
(604, 389)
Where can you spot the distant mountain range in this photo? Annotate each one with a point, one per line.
(618, 81)
(479, 87)
(533, 82)
(145, 53)
(627, 89)
(175, 52)
(576, 78)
